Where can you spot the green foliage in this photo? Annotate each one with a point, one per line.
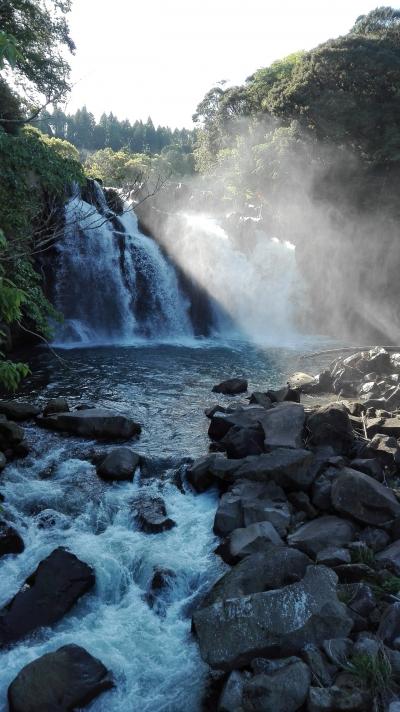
(363, 555)
(35, 36)
(35, 174)
(8, 50)
(374, 674)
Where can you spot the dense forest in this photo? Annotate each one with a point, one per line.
(313, 141)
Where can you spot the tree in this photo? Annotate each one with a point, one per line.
(40, 36)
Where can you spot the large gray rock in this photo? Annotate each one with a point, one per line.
(234, 631)
(241, 417)
(330, 425)
(59, 681)
(231, 387)
(250, 502)
(232, 694)
(283, 426)
(120, 464)
(241, 442)
(93, 423)
(389, 626)
(48, 594)
(18, 410)
(283, 687)
(248, 540)
(11, 434)
(322, 532)
(275, 567)
(291, 469)
(360, 496)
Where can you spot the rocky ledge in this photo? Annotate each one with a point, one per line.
(307, 617)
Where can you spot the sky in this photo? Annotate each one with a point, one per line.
(160, 57)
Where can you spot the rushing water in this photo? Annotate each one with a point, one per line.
(54, 497)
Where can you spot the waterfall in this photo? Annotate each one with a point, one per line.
(113, 284)
(251, 276)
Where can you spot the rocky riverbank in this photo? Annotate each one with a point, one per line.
(307, 613)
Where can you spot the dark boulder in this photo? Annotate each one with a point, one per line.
(231, 387)
(282, 687)
(60, 681)
(93, 423)
(10, 540)
(274, 567)
(330, 425)
(242, 417)
(11, 434)
(150, 514)
(283, 426)
(240, 442)
(363, 498)
(248, 540)
(48, 594)
(320, 533)
(56, 405)
(18, 410)
(234, 631)
(119, 464)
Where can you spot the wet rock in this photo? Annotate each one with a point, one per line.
(59, 681)
(355, 573)
(56, 405)
(160, 586)
(48, 594)
(119, 464)
(330, 425)
(286, 394)
(290, 469)
(248, 540)
(231, 387)
(11, 435)
(243, 417)
(93, 423)
(260, 398)
(383, 426)
(276, 566)
(283, 426)
(363, 498)
(240, 442)
(283, 687)
(10, 540)
(213, 410)
(233, 632)
(18, 410)
(3, 461)
(150, 514)
(322, 532)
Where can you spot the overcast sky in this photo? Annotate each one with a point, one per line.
(159, 57)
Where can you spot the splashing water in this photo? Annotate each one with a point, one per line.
(253, 284)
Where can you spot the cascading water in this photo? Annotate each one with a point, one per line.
(253, 280)
(113, 284)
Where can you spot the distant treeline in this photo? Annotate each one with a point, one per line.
(84, 132)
